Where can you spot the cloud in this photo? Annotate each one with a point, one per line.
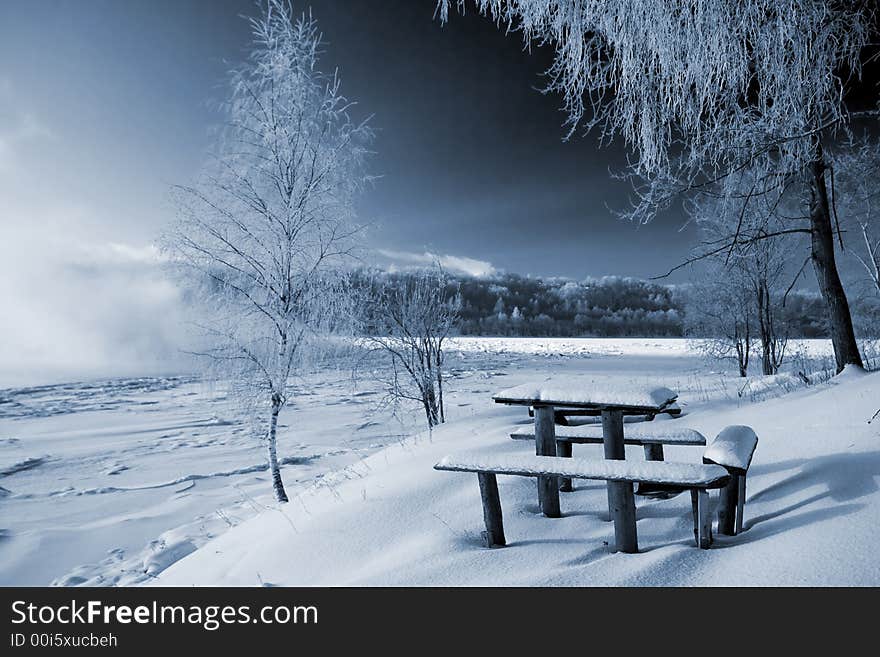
(452, 263)
(75, 306)
(117, 254)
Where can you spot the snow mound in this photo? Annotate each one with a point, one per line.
(733, 447)
(165, 555)
(851, 371)
(23, 465)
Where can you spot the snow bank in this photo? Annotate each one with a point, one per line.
(812, 516)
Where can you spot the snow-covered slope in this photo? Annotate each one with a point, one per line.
(812, 513)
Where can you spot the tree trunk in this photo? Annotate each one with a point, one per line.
(765, 326)
(440, 388)
(429, 400)
(740, 359)
(277, 484)
(846, 350)
(742, 351)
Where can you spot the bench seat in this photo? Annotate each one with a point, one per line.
(685, 475)
(637, 434)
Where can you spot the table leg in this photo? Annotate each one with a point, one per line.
(545, 445)
(563, 449)
(621, 503)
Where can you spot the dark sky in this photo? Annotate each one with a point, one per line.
(471, 155)
(106, 103)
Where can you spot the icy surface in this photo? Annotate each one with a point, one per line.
(110, 481)
(585, 390)
(660, 472)
(733, 447)
(661, 432)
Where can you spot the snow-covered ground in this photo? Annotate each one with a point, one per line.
(158, 480)
(99, 476)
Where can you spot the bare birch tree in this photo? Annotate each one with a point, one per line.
(702, 89)
(261, 235)
(409, 323)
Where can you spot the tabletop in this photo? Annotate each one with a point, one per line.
(584, 392)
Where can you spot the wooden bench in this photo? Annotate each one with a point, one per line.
(696, 477)
(650, 437)
(726, 463)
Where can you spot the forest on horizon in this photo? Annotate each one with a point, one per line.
(507, 304)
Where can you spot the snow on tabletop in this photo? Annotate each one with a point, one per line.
(581, 390)
(733, 448)
(660, 432)
(664, 472)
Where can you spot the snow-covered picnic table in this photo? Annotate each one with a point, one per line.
(586, 393)
(612, 401)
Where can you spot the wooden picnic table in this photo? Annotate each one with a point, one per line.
(612, 402)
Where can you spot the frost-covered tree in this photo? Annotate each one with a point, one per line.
(498, 309)
(857, 198)
(409, 324)
(720, 316)
(262, 233)
(703, 89)
(760, 267)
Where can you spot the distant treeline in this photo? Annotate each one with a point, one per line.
(611, 306)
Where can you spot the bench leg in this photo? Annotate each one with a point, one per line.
(545, 445)
(623, 512)
(494, 533)
(702, 518)
(654, 452)
(548, 495)
(613, 446)
(563, 448)
(740, 503)
(727, 506)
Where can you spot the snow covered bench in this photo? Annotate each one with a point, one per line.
(651, 437)
(724, 463)
(695, 477)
